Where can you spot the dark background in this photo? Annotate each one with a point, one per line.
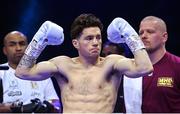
(27, 16)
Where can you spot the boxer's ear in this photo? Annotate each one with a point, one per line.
(75, 43)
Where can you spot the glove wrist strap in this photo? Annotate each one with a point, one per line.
(34, 49)
(134, 43)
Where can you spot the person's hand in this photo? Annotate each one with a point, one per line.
(37, 106)
(16, 106)
(48, 34)
(120, 31)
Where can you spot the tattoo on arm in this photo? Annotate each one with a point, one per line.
(27, 61)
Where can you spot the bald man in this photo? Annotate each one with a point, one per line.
(159, 92)
(18, 94)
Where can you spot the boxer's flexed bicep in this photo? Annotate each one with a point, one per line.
(113, 62)
(127, 67)
(44, 69)
(39, 71)
(130, 68)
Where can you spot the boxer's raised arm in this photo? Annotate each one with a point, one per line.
(48, 34)
(120, 31)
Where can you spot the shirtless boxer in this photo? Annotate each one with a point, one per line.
(88, 83)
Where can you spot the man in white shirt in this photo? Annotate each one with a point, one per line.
(22, 95)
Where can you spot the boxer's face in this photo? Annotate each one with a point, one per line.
(152, 36)
(14, 47)
(90, 41)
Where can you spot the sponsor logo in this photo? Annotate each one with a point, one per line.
(14, 93)
(165, 81)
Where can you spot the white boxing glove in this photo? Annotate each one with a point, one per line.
(48, 34)
(120, 31)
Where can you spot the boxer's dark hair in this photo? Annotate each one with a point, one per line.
(84, 21)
